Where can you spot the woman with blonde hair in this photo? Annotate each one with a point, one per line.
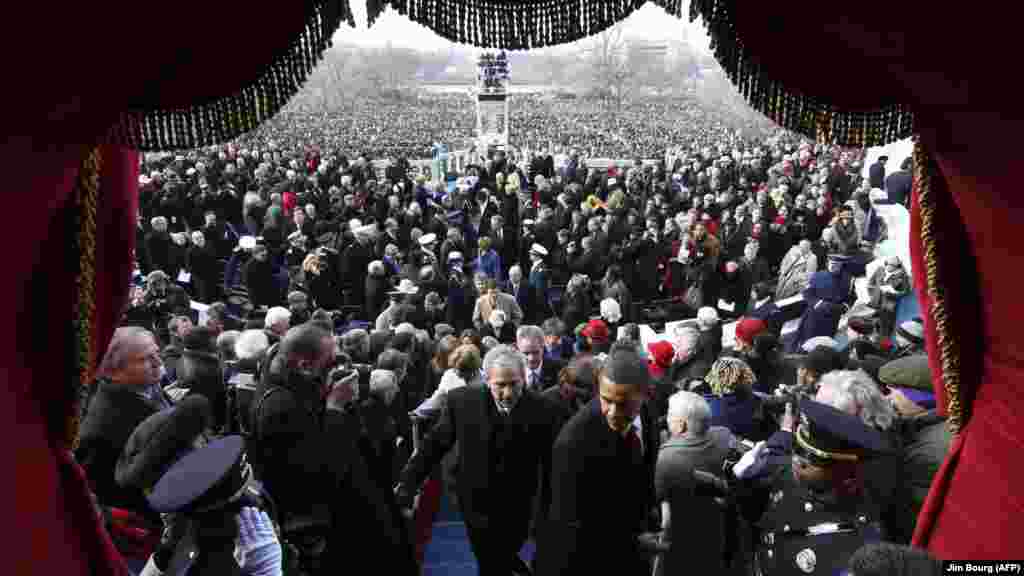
(489, 261)
(463, 370)
(733, 404)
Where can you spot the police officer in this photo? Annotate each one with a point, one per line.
(818, 513)
(227, 528)
(216, 518)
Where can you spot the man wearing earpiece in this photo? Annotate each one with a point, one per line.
(304, 449)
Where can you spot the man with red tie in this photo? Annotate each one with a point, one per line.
(602, 482)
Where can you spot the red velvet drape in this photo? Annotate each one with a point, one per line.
(947, 62)
(57, 531)
(73, 68)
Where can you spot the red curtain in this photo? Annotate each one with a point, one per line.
(73, 69)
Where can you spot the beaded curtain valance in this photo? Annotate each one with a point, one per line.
(511, 25)
(228, 116)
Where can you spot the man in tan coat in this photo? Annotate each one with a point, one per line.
(492, 299)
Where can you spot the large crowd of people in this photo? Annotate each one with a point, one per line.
(372, 336)
(408, 128)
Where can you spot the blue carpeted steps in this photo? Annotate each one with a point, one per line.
(448, 553)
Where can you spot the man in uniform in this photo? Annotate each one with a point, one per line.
(818, 512)
(537, 307)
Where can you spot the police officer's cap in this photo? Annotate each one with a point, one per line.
(160, 440)
(827, 435)
(205, 479)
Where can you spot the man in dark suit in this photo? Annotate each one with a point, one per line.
(125, 396)
(505, 434)
(876, 174)
(899, 183)
(542, 373)
(503, 239)
(602, 487)
(518, 287)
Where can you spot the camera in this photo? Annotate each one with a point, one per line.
(775, 404)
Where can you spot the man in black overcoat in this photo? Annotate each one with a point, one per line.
(126, 394)
(505, 436)
(602, 477)
(304, 450)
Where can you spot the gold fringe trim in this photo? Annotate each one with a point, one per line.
(516, 24)
(86, 199)
(949, 357)
(147, 127)
(791, 110)
(508, 25)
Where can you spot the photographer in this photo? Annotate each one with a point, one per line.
(577, 304)
(161, 300)
(701, 274)
(462, 297)
(322, 278)
(304, 448)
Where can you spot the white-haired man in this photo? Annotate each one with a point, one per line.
(505, 435)
(710, 345)
(517, 287)
(796, 269)
(694, 445)
(277, 322)
(250, 348)
(129, 374)
(690, 362)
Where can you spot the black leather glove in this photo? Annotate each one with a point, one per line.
(404, 497)
(653, 543)
(175, 527)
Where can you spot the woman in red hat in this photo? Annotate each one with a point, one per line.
(597, 336)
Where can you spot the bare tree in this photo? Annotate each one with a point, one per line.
(648, 66)
(331, 82)
(398, 66)
(606, 66)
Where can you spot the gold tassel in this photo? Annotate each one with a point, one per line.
(86, 199)
(949, 356)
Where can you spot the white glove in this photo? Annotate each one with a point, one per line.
(748, 460)
(150, 568)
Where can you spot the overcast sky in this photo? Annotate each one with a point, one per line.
(649, 22)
